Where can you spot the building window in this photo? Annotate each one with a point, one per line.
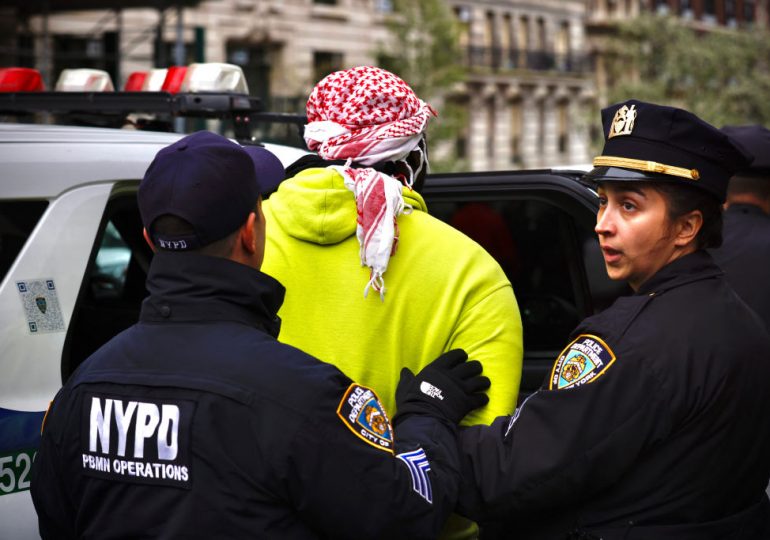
(325, 63)
(489, 30)
(77, 51)
(685, 9)
(383, 6)
(541, 130)
(463, 14)
(730, 13)
(326, 2)
(709, 12)
(749, 11)
(541, 37)
(661, 7)
(516, 131)
(461, 146)
(490, 128)
(255, 63)
(523, 41)
(563, 127)
(491, 42)
(506, 38)
(562, 47)
(538, 58)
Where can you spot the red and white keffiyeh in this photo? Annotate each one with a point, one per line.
(367, 115)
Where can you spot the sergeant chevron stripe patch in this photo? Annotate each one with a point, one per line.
(418, 465)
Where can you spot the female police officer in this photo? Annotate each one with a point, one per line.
(653, 421)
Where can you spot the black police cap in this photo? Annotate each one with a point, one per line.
(756, 140)
(205, 179)
(656, 143)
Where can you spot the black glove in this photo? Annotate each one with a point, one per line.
(448, 387)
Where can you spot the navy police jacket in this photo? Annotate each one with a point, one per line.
(745, 256)
(197, 423)
(652, 425)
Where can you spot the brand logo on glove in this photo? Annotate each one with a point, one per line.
(430, 390)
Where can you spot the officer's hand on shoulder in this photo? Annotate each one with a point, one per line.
(449, 387)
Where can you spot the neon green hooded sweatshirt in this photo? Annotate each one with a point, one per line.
(443, 291)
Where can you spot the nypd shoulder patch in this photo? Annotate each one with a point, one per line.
(583, 361)
(361, 411)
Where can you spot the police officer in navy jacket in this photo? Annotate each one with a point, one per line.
(197, 423)
(653, 421)
(745, 251)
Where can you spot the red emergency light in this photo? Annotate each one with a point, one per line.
(16, 79)
(135, 81)
(174, 77)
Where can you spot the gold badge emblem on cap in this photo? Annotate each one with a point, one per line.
(623, 122)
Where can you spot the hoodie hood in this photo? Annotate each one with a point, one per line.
(315, 206)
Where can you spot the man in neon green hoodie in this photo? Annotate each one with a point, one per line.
(353, 205)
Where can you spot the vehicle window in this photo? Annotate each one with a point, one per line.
(549, 251)
(114, 285)
(108, 277)
(17, 220)
(536, 244)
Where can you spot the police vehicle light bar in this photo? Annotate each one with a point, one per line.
(216, 91)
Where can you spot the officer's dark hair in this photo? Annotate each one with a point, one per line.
(745, 184)
(683, 199)
(171, 225)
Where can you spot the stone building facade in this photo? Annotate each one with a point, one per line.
(529, 84)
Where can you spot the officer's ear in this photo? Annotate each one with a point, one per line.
(687, 228)
(247, 235)
(148, 240)
(249, 247)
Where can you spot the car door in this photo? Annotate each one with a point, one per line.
(37, 295)
(539, 226)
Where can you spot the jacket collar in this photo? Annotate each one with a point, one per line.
(744, 208)
(314, 161)
(187, 287)
(692, 267)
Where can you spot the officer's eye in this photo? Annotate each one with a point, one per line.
(628, 206)
(602, 201)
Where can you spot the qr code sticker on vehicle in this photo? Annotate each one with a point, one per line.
(41, 306)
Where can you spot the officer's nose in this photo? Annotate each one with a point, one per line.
(604, 225)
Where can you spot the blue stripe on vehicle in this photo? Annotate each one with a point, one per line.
(19, 429)
(418, 465)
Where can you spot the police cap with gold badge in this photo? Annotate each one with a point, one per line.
(656, 143)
